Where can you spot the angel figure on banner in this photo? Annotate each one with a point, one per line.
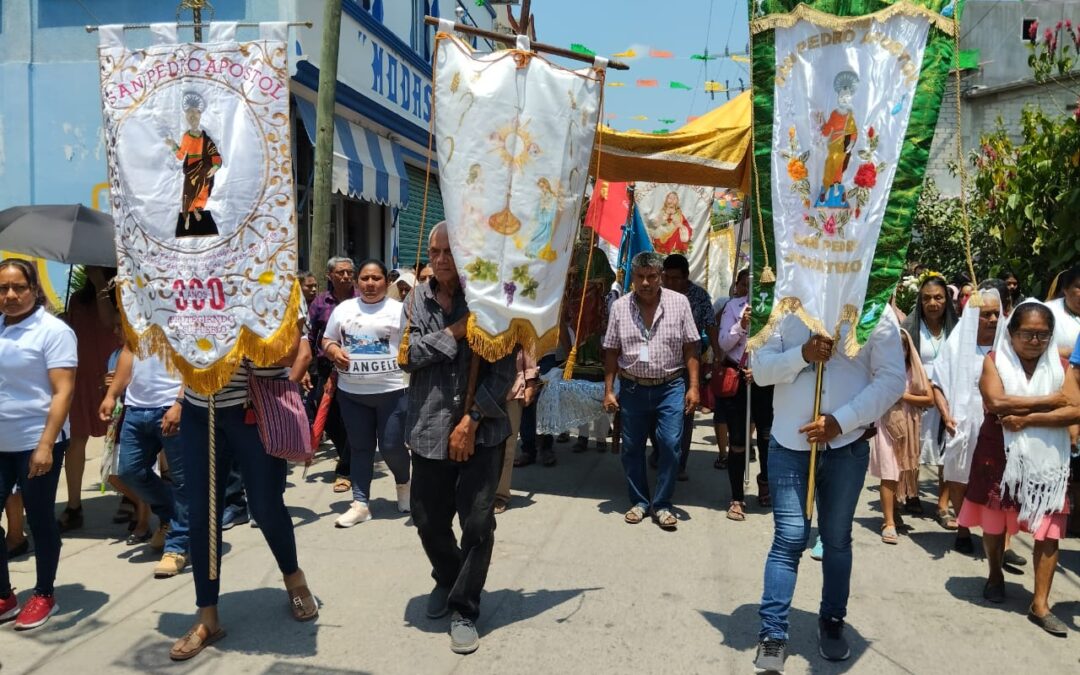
(200, 160)
(840, 132)
(672, 232)
(473, 217)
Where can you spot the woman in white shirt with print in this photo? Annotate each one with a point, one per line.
(370, 390)
(37, 380)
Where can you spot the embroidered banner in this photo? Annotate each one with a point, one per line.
(201, 185)
(514, 136)
(844, 107)
(677, 218)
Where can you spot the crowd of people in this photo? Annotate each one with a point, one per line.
(975, 382)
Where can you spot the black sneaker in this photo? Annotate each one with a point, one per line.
(1013, 558)
(436, 604)
(831, 643)
(771, 654)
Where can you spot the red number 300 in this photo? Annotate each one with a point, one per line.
(194, 294)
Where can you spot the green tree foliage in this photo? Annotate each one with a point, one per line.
(938, 237)
(1028, 190)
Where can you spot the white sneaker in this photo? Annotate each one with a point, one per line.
(358, 513)
(404, 494)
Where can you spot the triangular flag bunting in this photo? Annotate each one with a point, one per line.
(616, 84)
(660, 54)
(740, 59)
(639, 118)
(581, 49)
(679, 85)
(648, 83)
(704, 57)
(661, 132)
(692, 118)
(628, 54)
(663, 120)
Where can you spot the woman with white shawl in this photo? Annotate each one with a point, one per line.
(957, 375)
(1021, 464)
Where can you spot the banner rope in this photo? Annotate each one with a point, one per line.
(410, 300)
(767, 275)
(976, 299)
(571, 359)
(211, 418)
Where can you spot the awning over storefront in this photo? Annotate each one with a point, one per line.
(366, 165)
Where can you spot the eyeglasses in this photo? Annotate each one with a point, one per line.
(1041, 337)
(19, 289)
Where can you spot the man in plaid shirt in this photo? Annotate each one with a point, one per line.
(652, 345)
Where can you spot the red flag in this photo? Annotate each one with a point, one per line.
(608, 210)
(660, 54)
(647, 83)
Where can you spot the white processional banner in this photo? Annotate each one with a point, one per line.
(677, 218)
(842, 103)
(514, 134)
(201, 187)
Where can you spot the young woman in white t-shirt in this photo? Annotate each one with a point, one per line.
(359, 339)
(37, 379)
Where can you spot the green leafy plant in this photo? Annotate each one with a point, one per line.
(938, 237)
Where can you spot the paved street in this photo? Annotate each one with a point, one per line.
(572, 589)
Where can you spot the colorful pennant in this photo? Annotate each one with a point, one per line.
(679, 85)
(660, 54)
(616, 84)
(664, 120)
(639, 118)
(740, 59)
(704, 57)
(648, 83)
(581, 49)
(628, 54)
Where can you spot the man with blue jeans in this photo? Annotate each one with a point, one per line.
(855, 393)
(652, 345)
(152, 424)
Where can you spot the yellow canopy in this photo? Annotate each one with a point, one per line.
(712, 150)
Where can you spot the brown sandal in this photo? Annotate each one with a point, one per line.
(342, 484)
(735, 512)
(302, 603)
(635, 515)
(194, 641)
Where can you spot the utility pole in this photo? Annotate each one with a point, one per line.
(324, 136)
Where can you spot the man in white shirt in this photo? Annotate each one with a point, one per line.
(855, 393)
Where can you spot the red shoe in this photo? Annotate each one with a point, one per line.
(9, 607)
(36, 612)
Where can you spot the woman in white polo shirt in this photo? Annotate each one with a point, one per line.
(38, 353)
(371, 390)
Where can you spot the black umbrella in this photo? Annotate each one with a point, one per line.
(67, 233)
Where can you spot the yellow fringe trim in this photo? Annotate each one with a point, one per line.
(206, 381)
(848, 315)
(571, 361)
(403, 348)
(825, 20)
(520, 332)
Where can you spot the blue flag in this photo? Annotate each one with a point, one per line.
(635, 241)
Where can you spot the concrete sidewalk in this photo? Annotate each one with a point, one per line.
(572, 589)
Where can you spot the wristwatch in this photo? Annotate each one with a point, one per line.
(475, 416)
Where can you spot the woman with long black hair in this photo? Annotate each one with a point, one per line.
(929, 327)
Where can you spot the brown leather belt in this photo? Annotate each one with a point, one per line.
(652, 381)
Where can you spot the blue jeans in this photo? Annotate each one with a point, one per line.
(644, 409)
(140, 441)
(264, 478)
(39, 495)
(840, 475)
(370, 420)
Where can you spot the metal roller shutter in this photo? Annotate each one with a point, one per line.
(409, 218)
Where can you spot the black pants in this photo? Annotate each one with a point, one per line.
(335, 428)
(441, 488)
(761, 415)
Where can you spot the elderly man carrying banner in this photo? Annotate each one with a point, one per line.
(653, 345)
(457, 454)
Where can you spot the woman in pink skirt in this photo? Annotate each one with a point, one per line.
(1021, 464)
(894, 456)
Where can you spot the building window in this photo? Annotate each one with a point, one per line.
(1025, 33)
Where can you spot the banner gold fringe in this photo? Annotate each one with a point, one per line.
(848, 315)
(520, 332)
(825, 20)
(206, 381)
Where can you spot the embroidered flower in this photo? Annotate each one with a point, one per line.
(791, 133)
(866, 176)
(870, 132)
(796, 170)
(830, 226)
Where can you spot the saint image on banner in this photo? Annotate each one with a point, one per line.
(547, 208)
(671, 233)
(840, 132)
(200, 160)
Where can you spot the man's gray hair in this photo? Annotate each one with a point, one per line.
(441, 225)
(337, 260)
(647, 259)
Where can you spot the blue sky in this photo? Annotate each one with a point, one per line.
(678, 26)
